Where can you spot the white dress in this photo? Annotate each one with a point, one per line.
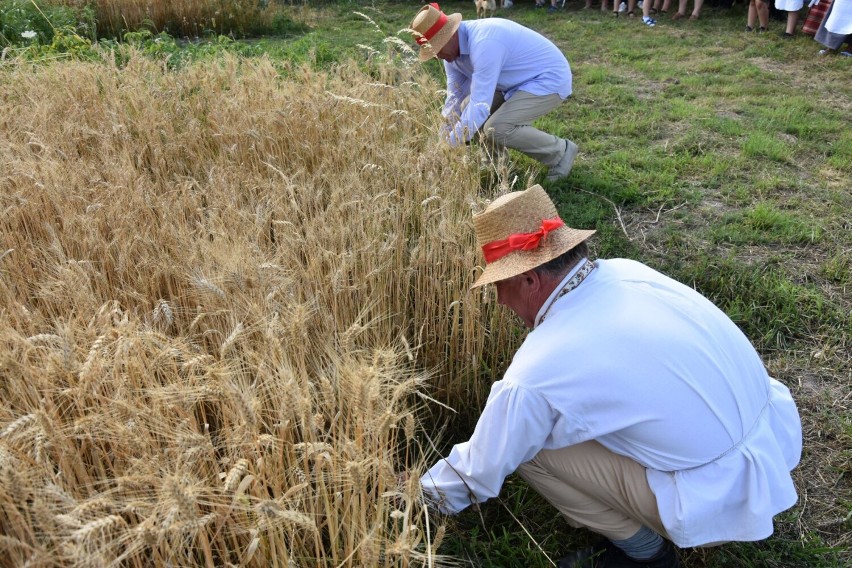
(789, 5)
(839, 21)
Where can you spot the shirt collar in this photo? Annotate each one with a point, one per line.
(552, 298)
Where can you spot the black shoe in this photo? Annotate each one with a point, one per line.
(607, 555)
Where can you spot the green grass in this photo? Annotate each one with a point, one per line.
(838, 269)
(762, 145)
(772, 310)
(765, 224)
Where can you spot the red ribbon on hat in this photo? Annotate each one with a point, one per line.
(496, 250)
(430, 33)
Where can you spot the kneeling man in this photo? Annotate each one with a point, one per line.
(635, 406)
(501, 76)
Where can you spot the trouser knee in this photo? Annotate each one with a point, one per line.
(594, 488)
(498, 132)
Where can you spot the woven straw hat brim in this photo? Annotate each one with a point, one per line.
(522, 212)
(430, 49)
(556, 243)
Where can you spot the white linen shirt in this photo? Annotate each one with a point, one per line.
(653, 371)
(496, 54)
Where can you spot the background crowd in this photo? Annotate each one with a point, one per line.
(829, 22)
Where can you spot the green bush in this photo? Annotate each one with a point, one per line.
(28, 22)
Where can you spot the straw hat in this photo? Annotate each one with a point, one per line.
(519, 231)
(432, 29)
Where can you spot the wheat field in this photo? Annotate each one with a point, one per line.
(186, 18)
(228, 294)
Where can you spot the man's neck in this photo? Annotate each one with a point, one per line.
(554, 284)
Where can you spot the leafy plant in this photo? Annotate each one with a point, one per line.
(26, 22)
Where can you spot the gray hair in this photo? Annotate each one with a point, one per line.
(562, 264)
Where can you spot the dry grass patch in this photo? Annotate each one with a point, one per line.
(186, 18)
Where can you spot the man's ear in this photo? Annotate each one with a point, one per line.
(532, 279)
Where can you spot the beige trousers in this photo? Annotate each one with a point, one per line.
(596, 489)
(510, 126)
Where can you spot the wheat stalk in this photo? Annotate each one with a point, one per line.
(227, 292)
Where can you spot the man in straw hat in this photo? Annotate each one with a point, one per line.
(501, 76)
(635, 406)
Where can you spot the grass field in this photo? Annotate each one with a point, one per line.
(233, 280)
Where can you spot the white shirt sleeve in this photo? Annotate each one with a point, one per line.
(489, 57)
(458, 87)
(512, 429)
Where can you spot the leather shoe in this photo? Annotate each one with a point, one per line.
(607, 555)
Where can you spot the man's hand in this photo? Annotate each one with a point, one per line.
(445, 133)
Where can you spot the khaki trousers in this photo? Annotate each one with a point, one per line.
(596, 489)
(509, 126)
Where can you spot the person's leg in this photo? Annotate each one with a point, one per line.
(681, 10)
(751, 19)
(595, 488)
(762, 14)
(792, 20)
(696, 9)
(510, 126)
(646, 13)
(494, 152)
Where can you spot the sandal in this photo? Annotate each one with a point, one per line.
(631, 14)
(678, 15)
